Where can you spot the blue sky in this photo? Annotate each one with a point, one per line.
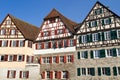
(33, 11)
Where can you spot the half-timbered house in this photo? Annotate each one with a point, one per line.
(55, 47)
(98, 50)
(16, 53)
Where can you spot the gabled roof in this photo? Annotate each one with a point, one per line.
(69, 23)
(92, 9)
(28, 31)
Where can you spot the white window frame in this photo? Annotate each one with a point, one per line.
(93, 23)
(107, 35)
(14, 42)
(95, 37)
(84, 38)
(47, 59)
(60, 31)
(1, 57)
(118, 51)
(10, 58)
(109, 52)
(12, 31)
(2, 31)
(96, 53)
(54, 59)
(64, 74)
(83, 71)
(46, 45)
(118, 70)
(24, 74)
(82, 54)
(44, 60)
(46, 33)
(69, 58)
(18, 58)
(21, 43)
(48, 74)
(71, 42)
(4, 43)
(11, 73)
(118, 33)
(61, 59)
(106, 21)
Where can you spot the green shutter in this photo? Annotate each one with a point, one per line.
(78, 54)
(103, 38)
(90, 39)
(99, 36)
(95, 23)
(99, 71)
(91, 54)
(114, 34)
(109, 20)
(114, 52)
(103, 23)
(78, 72)
(89, 24)
(102, 53)
(100, 10)
(86, 54)
(108, 71)
(80, 39)
(115, 71)
(87, 37)
(92, 71)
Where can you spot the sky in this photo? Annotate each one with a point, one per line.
(34, 11)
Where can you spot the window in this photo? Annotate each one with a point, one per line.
(65, 73)
(65, 43)
(1, 57)
(54, 59)
(20, 57)
(8, 22)
(107, 21)
(47, 59)
(91, 71)
(93, 23)
(2, 31)
(107, 35)
(118, 32)
(69, 58)
(10, 58)
(24, 74)
(78, 72)
(59, 43)
(48, 74)
(97, 54)
(105, 71)
(95, 37)
(98, 11)
(46, 45)
(12, 32)
(46, 33)
(84, 38)
(62, 59)
(84, 54)
(13, 43)
(55, 74)
(21, 43)
(4, 43)
(30, 44)
(83, 71)
(71, 42)
(44, 60)
(109, 52)
(118, 70)
(60, 31)
(11, 74)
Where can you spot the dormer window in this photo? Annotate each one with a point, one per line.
(2, 31)
(12, 32)
(98, 11)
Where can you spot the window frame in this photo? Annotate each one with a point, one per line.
(107, 35)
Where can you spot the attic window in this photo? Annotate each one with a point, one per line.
(98, 11)
(12, 32)
(60, 31)
(46, 33)
(2, 31)
(8, 22)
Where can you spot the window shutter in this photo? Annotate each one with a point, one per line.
(78, 72)
(74, 42)
(92, 71)
(17, 43)
(62, 43)
(41, 34)
(114, 52)
(103, 22)
(51, 74)
(108, 71)
(103, 38)
(80, 39)
(72, 58)
(99, 71)
(27, 74)
(8, 74)
(32, 59)
(20, 75)
(114, 34)
(67, 75)
(88, 38)
(65, 59)
(95, 23)
(55, 32)
(86, 54)
(64, 30)
(10, 43)
(0, 43)
(99, 36)
(57, 59)
(42, 45)
(27, 59)
(115, 71)
(78, 54)
(49, 44)
(6, 58)
(51, 59)
(60, 74)
(91, 54)
(43, 74)
(14, 74)
(40, 60)
(23, 57)
(109, 20)
(7, 44)
(89, 24)
(67, 42)
(56, 46)
(24, 43)
(49, 33)
(36, 46)
(102, 53)
(14, 57)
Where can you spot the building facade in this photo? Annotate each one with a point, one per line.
(98, 50)
(16, 53)
(55, 47)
